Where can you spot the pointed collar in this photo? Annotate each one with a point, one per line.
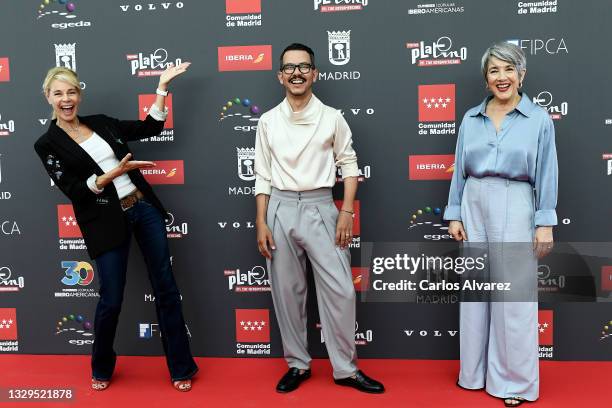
(309, 115)
(524, 107)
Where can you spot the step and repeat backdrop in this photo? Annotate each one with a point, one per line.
(403, 73)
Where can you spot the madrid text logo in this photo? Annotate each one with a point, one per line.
(356, 243)
(431, 167)
(551, 46)
(545, 334)
(8, 282)
(251, 280)
(606, 278)
(245, 58)
(536, 7)
(165, 172)
(9, 227)
(61, 14)
(242, 13)
(429, 220)
(145, 101)
(8, 330)
(242, 110)
(253, 331)
(339, 53)
(556, 110)
(4, 195)
(149, 330)
(6, 126)
(151, 6)
(5, 72)
(246, 163)
(175, 229)
(440, 52)
(153, 64)
(332, 6)
(608, 158)
(77, 276)
(436, 104)
(436, 8)
(65, 56)
(606, 331)
(76, 329)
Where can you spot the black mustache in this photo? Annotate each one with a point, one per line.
(297, 77)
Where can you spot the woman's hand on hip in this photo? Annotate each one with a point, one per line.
(543, 241)
(455, 229)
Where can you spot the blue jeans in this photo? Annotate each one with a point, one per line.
(149, 228)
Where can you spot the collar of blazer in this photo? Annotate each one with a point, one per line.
(101, 126)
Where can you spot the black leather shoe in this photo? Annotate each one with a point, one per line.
(362, 383)
(291, 380)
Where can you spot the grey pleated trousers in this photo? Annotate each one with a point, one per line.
(303, 224)
(499, 340)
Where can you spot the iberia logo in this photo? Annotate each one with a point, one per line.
(67, 223)
(165, 172)
(144, 104)
(431, 167)
(606, 278)
(545, 327)
(5, 73)
(253, 325)
(245, 58)
(8, 324)
(361, 278)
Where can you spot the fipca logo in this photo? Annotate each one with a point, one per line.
(428, 221)
(5, 70)
(242, 13)
(546, 334)
(556, 110)
(8, 282)
(246, 163)
(332, 6)
(9, 227)
(436, 8)
(153, 64)
(70, 236)
(440, 52)
(536, 7)
(356, 243)
(608, 158)
(4, 195)
(339, 53)
(253, 332)
(61, 14)
(76, 329)
(145, 101)
(431, 167)
(149, 330)
(152, 7)
(362, 337)
(8, 330)
(245, 58)
(165, 172)
(175, 229)
(6, 126)
(551, 46)
(437, 105)
(243, 111)
(78, 275)
(252, 280)
(365, 172)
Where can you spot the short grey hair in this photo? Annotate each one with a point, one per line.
(505, 51)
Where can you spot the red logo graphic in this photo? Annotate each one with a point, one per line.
(431, 167)
(5, 72)
(253, 325)
(361, 278)
(242, 6)
(144, 104)
(67, 223)
(165, 172)
(356, 216)
(8, 324)
(606, 278)
(436, 103)
(245, 58)
(545, 327)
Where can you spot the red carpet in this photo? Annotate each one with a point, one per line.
(225, 382)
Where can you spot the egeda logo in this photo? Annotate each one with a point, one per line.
(76, 329)
(61, 14)
(241, 110)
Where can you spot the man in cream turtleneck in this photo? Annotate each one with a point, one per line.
(300, 142)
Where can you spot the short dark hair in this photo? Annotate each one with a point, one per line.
(298, 47)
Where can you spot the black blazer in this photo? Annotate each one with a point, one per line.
(100, 216)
